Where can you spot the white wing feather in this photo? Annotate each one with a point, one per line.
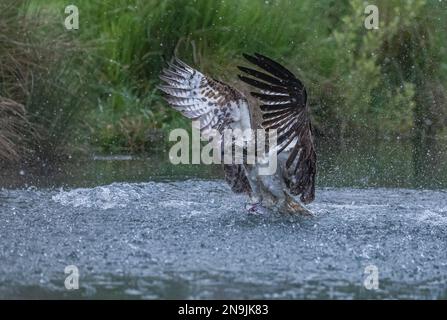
(214, 104)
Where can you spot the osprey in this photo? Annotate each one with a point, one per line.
(283, 107)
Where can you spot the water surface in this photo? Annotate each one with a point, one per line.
(143, 228)
(194, 239)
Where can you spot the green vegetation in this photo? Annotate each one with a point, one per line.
(95, 88)
(42, 91)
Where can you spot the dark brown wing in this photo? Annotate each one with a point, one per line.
(236, 178)
(283, 103)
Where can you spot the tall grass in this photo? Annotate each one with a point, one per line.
(14, 127)
(15, 74)
(128, 42)
(341, 62)
(42, 93)
(354, 76)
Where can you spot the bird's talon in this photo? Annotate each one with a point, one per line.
(253, 208)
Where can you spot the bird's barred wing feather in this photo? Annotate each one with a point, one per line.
(283, 104)
(214, 104)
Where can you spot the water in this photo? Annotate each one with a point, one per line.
(193, 239)
(146, 229)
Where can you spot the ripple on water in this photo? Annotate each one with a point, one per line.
(194, 239)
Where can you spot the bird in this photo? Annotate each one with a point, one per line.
(281, 99)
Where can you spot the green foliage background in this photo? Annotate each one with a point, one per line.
(98, 86)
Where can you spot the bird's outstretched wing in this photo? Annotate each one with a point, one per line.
(283, 104)
(214, 104)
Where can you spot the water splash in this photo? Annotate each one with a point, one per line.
(194, 239)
